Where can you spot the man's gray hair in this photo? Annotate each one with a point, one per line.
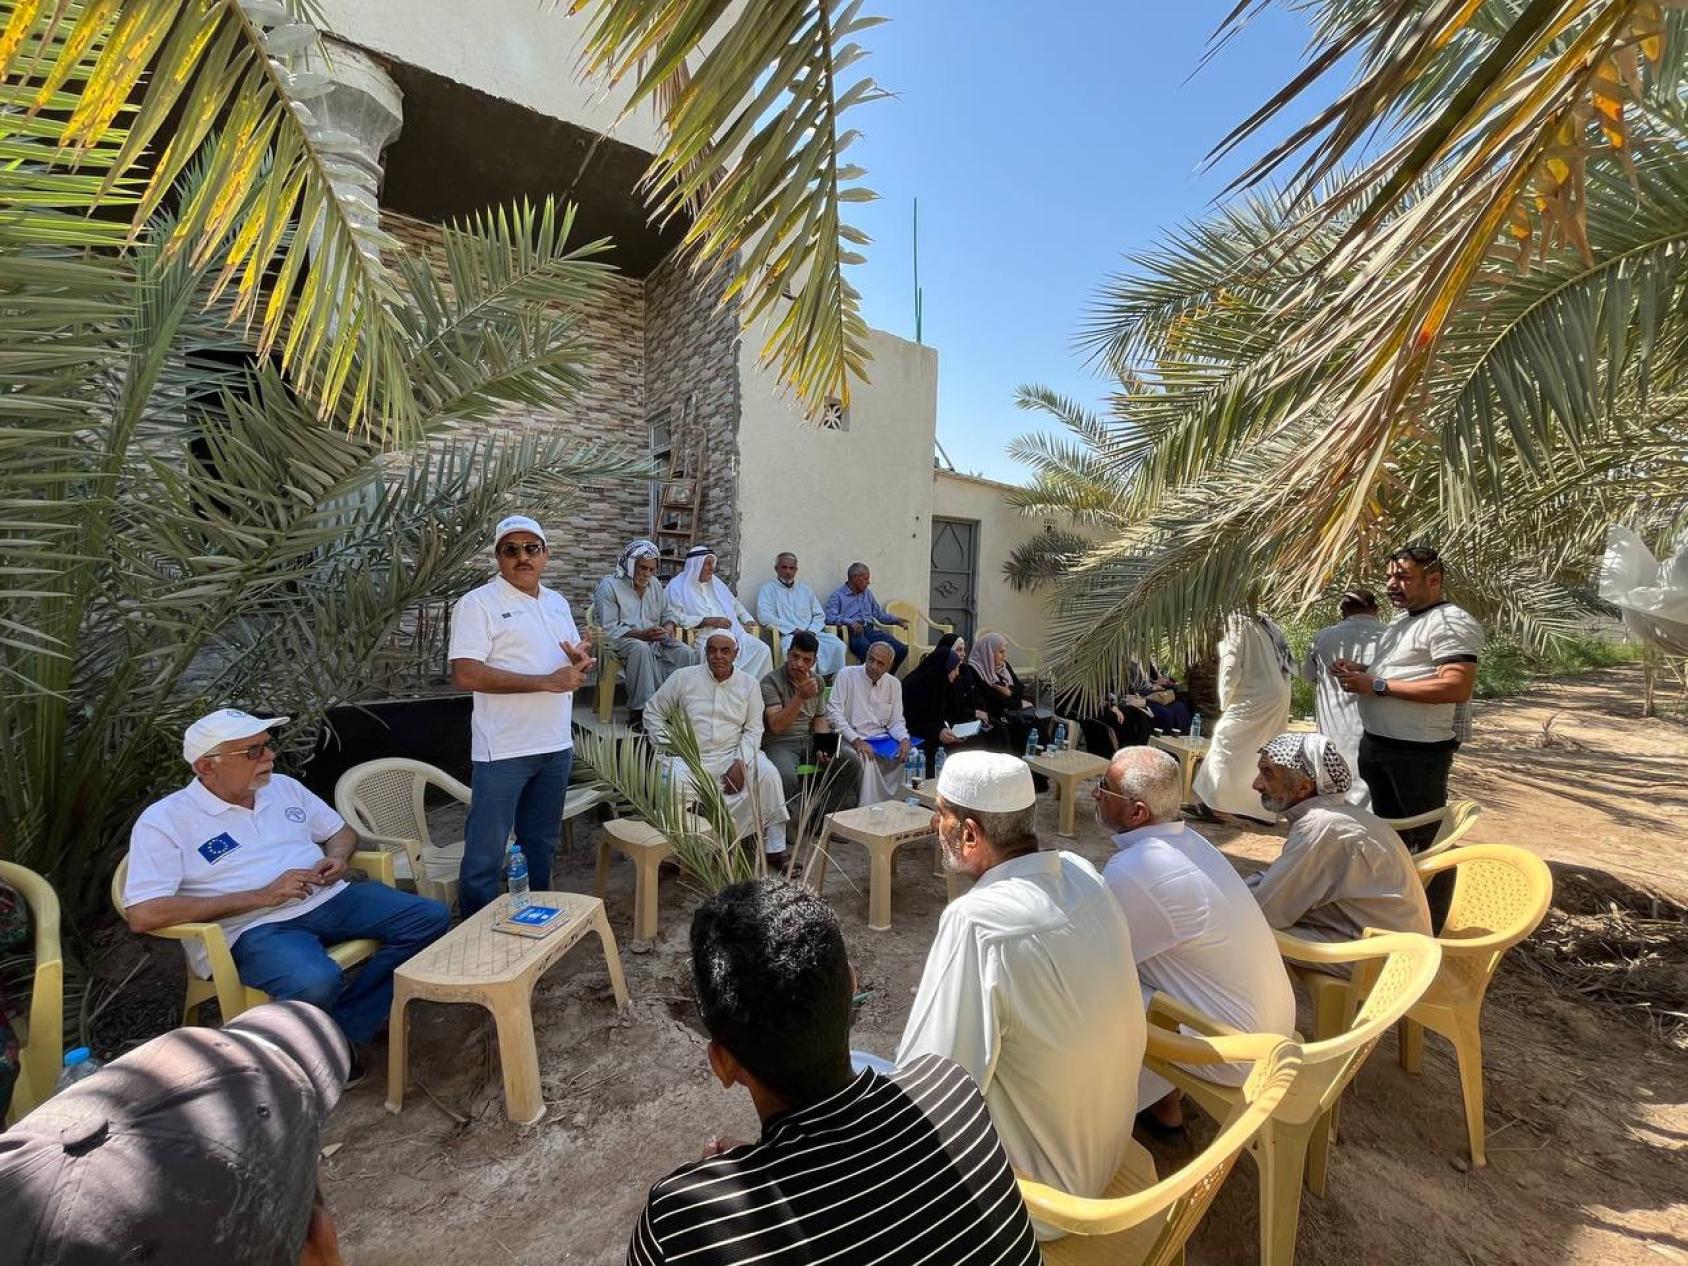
(881, 646)
(1006, 833)
(854, 569)
(1151, 776)
(783, 555)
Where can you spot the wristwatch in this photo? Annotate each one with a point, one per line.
(1379, 686)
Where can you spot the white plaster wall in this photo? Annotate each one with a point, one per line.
(833, 497)
(520, 50)
(1021, 615)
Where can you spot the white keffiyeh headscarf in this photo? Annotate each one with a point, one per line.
(635, 550)
(1315, 756)
(688, 594)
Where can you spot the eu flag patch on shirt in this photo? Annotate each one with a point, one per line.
(218, 846)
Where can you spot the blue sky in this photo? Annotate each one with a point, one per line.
(1045, 143)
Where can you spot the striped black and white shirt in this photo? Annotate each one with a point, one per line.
(905, 1169)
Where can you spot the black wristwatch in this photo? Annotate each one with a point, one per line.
(1379, 686)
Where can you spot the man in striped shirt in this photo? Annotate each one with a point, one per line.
(851, 1169)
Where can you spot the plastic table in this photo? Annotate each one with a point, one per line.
(497, 970)
(1065, 770)
(1189, 751)
(881, 829)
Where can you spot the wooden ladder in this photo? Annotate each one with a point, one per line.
(680, 496)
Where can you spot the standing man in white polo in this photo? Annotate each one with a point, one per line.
(258, 853)
(515, 644)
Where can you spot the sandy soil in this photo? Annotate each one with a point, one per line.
(1588, 1097)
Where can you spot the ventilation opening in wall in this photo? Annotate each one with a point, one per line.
(836, 416)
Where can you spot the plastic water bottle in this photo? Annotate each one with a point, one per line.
(938, 762)
(1196, 726)
(78, 1063)
(1060, 743)
(518, 879)
(914, 769)
(1031, 742)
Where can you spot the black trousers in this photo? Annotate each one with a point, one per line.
(1407, 779)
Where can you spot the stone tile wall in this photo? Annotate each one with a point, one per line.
(655, 343)
(691, 369)
(610, 413)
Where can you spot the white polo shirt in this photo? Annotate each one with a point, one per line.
(195, 844)
(503, 627)
(1413, 647)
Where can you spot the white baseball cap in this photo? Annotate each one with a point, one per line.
(516, 523)
(988, 782)
(221, 726)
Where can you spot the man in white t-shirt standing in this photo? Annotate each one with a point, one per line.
(258, 853)
(1353, 638)
(515, 644)
(1415, 696)
(1196, 931)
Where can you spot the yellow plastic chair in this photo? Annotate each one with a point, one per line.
(917, 620)
(1454, 821)
(1501, 894)
(609, 668)
(1293, 1147)
(225, 985)
(40, 1034)
(1150, 1227)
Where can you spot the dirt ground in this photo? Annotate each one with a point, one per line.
(1588, 1089)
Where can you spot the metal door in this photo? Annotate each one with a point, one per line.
(955, 574)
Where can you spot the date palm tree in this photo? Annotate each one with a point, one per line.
(233, 459)
(1306, 380)
(753, 99)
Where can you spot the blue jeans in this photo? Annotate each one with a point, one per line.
(859, 645)
(290, 960)
(524, 793)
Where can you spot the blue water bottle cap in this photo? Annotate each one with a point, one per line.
(77, 1055)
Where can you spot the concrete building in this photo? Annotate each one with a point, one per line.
(460, 106)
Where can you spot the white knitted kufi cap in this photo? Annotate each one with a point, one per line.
(989, 782)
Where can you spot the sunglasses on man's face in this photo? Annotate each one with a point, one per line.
(253, 753)
(518, 549)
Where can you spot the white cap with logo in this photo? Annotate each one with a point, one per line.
(516, 523)
(221, 726)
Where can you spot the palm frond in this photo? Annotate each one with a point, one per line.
(755, 150)
(1046, 557)
(295, 239)
(182, 529)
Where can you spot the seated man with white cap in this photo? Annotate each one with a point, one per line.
(200, 1146)
(724, 706)
(1031, 985)
(254, 851)
(1342, 869)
